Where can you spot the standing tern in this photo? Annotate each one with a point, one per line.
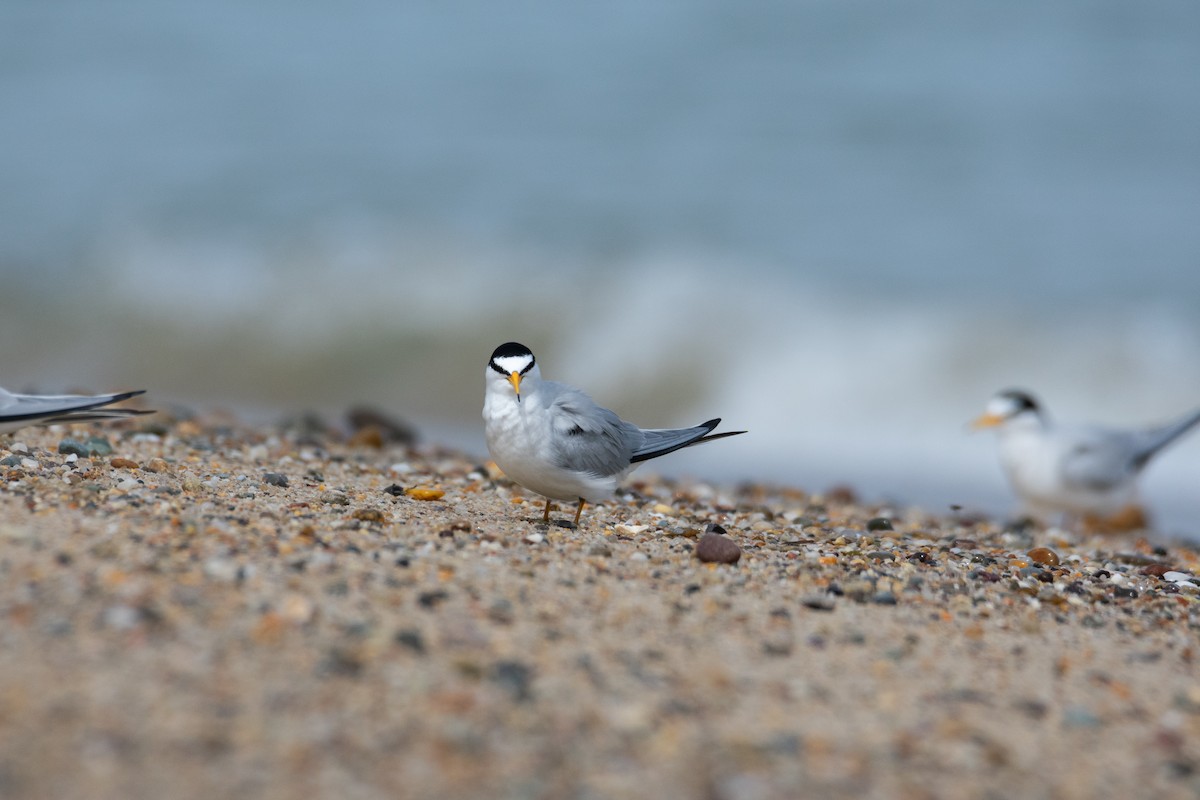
(553, 439)
(1081, 470)
(20, 410)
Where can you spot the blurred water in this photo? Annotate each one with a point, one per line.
(841, 225)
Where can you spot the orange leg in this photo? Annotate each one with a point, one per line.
(546, 515)
(578, 511)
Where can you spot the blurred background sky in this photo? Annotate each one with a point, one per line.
(842, 225)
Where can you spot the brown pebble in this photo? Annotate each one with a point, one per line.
(713, 548)
(1044, 555)
(370, 515)
(157, 465)
(841, 495)
(122, 463)
(369, 436)
(1157, 570)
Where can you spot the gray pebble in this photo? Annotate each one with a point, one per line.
(68, 446)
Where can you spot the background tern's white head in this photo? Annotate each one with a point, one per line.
(511, 363)
(1009, 405)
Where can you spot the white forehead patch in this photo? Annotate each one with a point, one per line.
(1001, 406)
(512, 364)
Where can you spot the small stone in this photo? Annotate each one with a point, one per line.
(600, 548)
(10, 461)
(395, 490)
(369, 436)
(432, 598)
(123, 463)
(335, 498)
(1044, 555)
(381, 427)
(715, 548)
(879, 524)
(884, 599)
(1177, 577)
(275, 479)
(842, 495)
(370, 515)
(19, 447)
(411, 639)
(515, 677)
(296, 608)
(818, 602)
(425, 494)
(97, 446)
(1079, 717)
(157, 465)
(69, 446)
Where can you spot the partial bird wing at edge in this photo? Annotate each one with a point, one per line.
(18, 407)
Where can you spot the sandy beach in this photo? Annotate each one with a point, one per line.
(211, 610)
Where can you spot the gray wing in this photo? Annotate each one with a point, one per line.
(1098, 459)
(588, 438)
(62, 408)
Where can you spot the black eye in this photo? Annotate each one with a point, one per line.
(1023, 401)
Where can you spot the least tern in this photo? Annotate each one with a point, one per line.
(20, 410)
(1084, 470)
(553, 439)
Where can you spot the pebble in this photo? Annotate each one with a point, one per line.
(69, 446)
(370, 515)
(425, 494)
(97, 446)
(334, 498)
(818, 602)
(600, 548)
(10, 461)
(1044, 555)
(879, 524)
(275, 479)
(157, 465)
(123, 463)
(715, 548)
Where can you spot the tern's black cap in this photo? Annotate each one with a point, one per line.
(510, 350)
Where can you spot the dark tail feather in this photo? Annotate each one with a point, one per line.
(97, 414)
(1159, 438)
(702, 435)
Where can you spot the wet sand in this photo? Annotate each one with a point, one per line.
(397, 622)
